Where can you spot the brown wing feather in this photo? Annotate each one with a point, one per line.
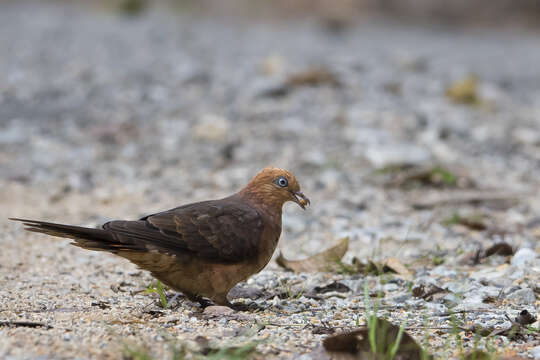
(221, 231)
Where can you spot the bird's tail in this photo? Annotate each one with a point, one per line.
(87, 238)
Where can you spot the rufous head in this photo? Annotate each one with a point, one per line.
(276, 186)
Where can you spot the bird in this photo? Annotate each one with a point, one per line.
(202, 249)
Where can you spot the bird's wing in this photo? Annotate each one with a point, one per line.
(220, 231)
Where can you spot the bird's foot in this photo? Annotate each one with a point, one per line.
(199, 299)
(204, 302)
(251, 307)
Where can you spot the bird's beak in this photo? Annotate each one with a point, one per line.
(300, 199)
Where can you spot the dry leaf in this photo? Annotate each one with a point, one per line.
(472, 221)
(502, 249)
(389, 265)
(393, 265)
(327, 260)
(474, 258)
(356, 344)
(315, 76)
(333, 286)
(427, 294)
(525, 318)
(478, 355)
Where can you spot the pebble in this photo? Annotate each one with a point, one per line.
(212, 127)
(535, 352)
(523, 257)
(523, 296)
(396, 155)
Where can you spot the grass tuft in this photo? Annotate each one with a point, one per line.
(160, 290)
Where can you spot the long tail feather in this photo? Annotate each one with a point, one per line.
(88, 238)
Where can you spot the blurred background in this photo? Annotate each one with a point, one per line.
(116, 109)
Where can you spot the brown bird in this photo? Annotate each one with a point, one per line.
(201, 249)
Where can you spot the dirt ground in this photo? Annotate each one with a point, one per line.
(420, 144)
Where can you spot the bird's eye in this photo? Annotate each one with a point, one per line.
(281, 181)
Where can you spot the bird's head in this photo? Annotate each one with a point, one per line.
(275, 187)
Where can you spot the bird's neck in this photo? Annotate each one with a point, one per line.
(264, 201)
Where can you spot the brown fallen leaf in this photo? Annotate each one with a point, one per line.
(328, 260)
(471, 221)
(475, 258)
(356, 344)
(314, 76)
(525, 318)
(395, 266)
(367, 268)
(422, 292)
(497, 300)
(517, 331)
(333, 286)
(389, 265)
(502, 249)
(478, 355)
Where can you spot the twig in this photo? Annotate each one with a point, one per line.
(29, 324)
(450, 313)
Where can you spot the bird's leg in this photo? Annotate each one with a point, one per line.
(204, 302)
(197, 298)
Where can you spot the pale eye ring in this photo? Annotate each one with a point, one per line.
(282, 182)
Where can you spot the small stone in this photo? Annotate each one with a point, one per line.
(458, 286)
(443, 272)
(451, 300)
(523, 257)
(535, 352)
(315, 158)
(212, 128)
(523, 296)
(435, 309)
(390, 287)
(382, 156)
(217, 310)
(273, 64)
(472, 303)
(400, 298)
(526, 136)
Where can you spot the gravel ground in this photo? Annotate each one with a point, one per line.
(396, 144)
